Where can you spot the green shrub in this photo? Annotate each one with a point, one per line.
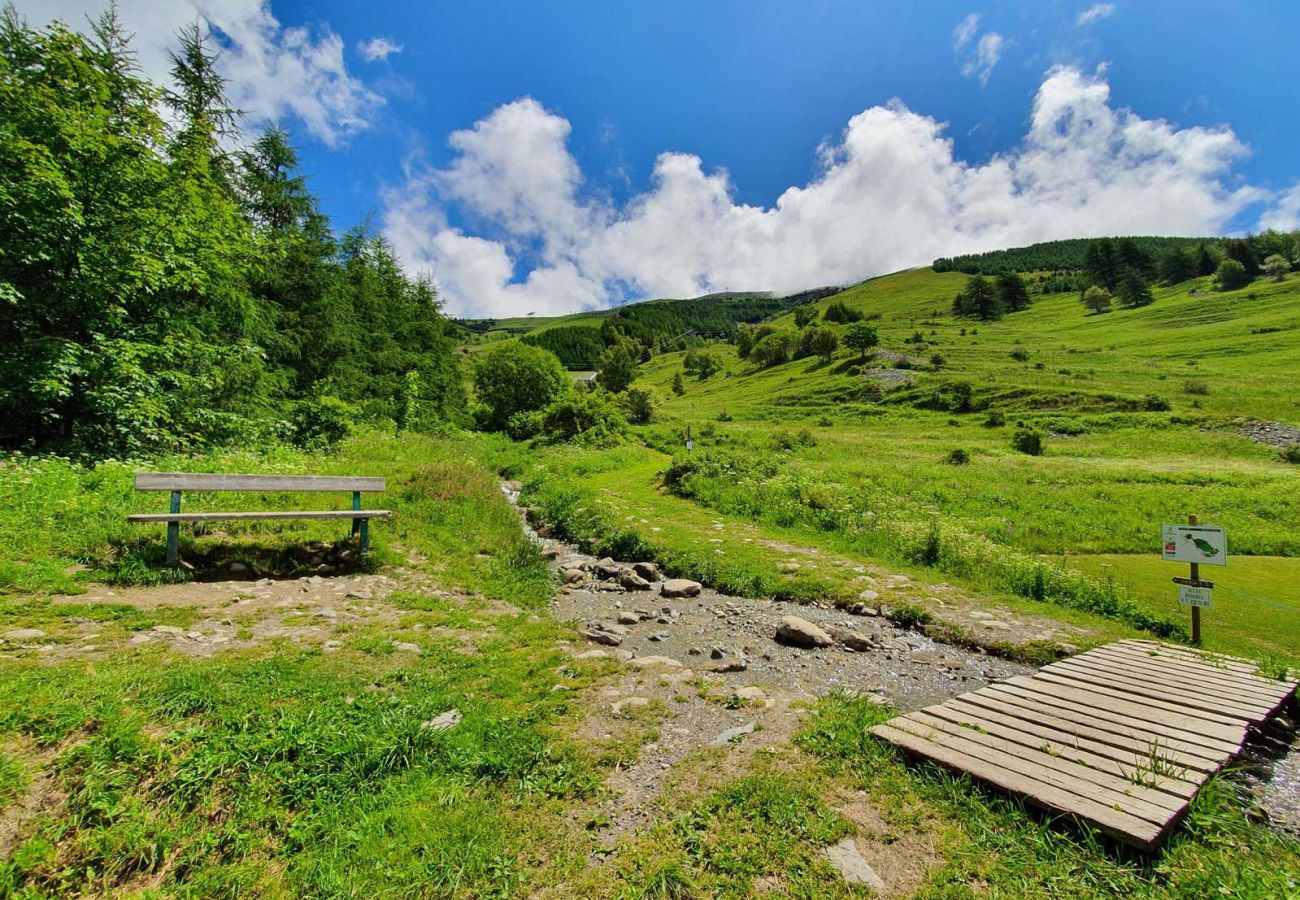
(995, 419)
(1231, 275)
(638, 405)
(773, 349)
(1020, 354)
(583, 417)
(1155, 403)
(1200, 388)
(525, 425)
(958, 457)
(839, 312)
(512, 377)
(322, 423)
(1291, 454)
(1028, 441)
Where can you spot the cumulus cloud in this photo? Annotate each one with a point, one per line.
(272, 71)
(1284, 215)
(888, 194)
(378, 48)
(1095, 12)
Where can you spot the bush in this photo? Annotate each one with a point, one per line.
(1027, 441)
(820, 342)
(995, 419)
(587, 418)
(511, 377)
(958, 457)
(523, 426)
(773, 349)
(618, 367)
(321, 423)
(1097, 299)
(861, 337)
(1020, 354)
(1276, 267)
(838, 312)
(701, 364)
(1155, 403)
(937, 361)
(1231, 275)
(804, 316)
(638, 405)
(1291, 454)
(1200, 388)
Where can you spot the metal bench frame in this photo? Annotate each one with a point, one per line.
(176, 482)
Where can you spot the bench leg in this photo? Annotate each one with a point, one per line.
(365, 535)
(356, 523)
(174, 532)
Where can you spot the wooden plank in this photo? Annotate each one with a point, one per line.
(1218, 661)
(1224, 696)
(1268, 686)
(1129, 829)
(1162, 791)
(1154, 708)
(1068, 739)
(1143, 711)
(258, 516)
(1144, 684)
(1215, 749)
(1081, 720)
(198, 481)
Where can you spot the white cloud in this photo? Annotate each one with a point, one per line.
(378, 48)
(965, 30)
(272, 71)
(1284, 214)
(1095, 12)
(987, 53)
(887, 195)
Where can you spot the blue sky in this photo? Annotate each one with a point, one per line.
(551, 156)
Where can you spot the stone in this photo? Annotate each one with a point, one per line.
(331, 646)
(869, 596)
(680, 587)
(628, 618)
(443, 721)
(659, 636)
(647, 570)
(717, 653)
(24, 634)
(732, 735)
(735, 664)
(632, 581)
(573, 576)
(168, 629)
(237, 568)
(695, 651)
(801, 633)
(592, 654)
(851, 639)
(406, 647)
(647, 662)
(140, 638)
(627, 703)
(750, 695)
(607, 568)
(848, 861)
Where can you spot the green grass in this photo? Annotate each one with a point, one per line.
(62, 523)
(992, 845)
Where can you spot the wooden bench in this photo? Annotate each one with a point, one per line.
(176, 482)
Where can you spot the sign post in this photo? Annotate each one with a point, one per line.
(690, 445)
(1195, 544)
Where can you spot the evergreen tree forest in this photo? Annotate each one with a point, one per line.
(168, 281)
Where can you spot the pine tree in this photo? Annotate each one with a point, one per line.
(978, 300)
(1206, 262)
(1133, 289)
(1012, 292)
(1177, 266)
(1100, 266)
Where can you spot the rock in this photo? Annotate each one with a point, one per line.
(406, 647)
(647, 662)
(869, 596)
(168, 629)
(443, 721)
(24, 634)
(331, 646)
(602, 637)
(750, 695)
(717, 653)
(140, 638)
(695, 651)
(801, 633)
(632, 581)
(647, 570)
(573, 576)
(861, 609)
(592, 654)
(659, 636)
(680, 587)
(627, 703)
(852, 639)
(848, 861)
(736, 664)
(628, 618)
(607, 568)
(732, 734)
(236, 568)
(927, 657)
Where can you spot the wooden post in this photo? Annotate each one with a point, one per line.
(688, 438)
(174, 532)
(1196, 610)
(356, 504)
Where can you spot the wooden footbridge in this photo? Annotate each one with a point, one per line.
(1120, 737)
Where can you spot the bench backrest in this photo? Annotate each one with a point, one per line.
(190, 481)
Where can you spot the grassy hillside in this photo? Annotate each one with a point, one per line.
(1141, 413)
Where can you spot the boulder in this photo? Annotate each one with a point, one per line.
(852, 639)
(732, 734)
(631, 581)
(647, 662)
(848, 861)
(627, 618)
(627, 703)
(442, 721)
(607, 568)
(735, 664)
(801, 633)
(24, 634)
(680, 587)
(573, 576)
(647, 570)
(605, 633)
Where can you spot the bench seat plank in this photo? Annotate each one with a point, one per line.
(198, 481)
(256, 516)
